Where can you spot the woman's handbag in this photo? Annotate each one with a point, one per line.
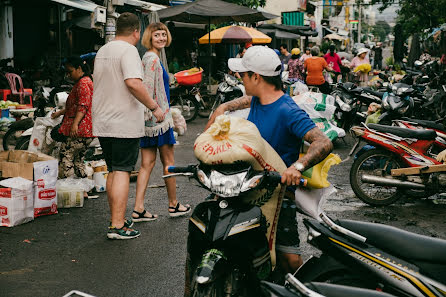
(56, 135)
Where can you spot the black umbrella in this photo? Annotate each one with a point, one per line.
(212, 12)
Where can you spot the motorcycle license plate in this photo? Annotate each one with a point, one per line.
(198, 97)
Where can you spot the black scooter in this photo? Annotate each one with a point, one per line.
(375, 256)
(227, 244)
(294, 288)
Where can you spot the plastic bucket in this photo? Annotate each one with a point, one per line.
(186, 78)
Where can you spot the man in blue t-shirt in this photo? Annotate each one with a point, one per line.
(283, 125)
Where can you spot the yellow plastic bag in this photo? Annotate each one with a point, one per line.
(317, 175)
(365, 68)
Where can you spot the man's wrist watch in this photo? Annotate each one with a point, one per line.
(299, 166)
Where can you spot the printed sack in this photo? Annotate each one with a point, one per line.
(45, 195)
(16, 201)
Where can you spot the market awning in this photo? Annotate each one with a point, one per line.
(186, 25)
(299, 30)
(91, 6)
(145, 5)
(279, 33)
(80, 4)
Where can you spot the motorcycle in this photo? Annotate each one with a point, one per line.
(187, 99)
(375, 256)
(397, 103)
(392, 147)
(295, 288)
(352, 102)
(227, 243)
(45, 99)
(440, 140)
(229, 89)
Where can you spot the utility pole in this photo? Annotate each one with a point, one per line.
(359, 19)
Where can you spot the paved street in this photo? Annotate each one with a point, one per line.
(55, 254)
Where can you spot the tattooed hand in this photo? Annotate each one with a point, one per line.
(236, 104)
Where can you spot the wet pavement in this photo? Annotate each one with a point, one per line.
(69, 251)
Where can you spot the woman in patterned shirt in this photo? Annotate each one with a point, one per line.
(296, 67)
(76, 124)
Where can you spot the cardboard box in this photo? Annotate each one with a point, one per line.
(39, 168)
(20, 163)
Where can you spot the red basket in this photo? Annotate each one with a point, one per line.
(185, 79)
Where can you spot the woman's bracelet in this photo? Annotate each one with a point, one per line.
(152, 110)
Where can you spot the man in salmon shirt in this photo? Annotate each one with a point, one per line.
(315, 66)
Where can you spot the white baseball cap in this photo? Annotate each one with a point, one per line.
(258, 59)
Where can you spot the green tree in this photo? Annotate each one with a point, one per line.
(418, 15)
(249, 3)
(381, 30)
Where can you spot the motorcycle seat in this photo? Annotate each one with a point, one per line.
(405, 132)
(398, 242)
(373, 92)
(427, 124)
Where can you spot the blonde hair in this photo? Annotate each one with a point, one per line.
(146, 40)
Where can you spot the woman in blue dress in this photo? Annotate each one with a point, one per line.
(158, 136)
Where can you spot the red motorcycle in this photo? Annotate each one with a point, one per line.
(440, 140)
(391, 148)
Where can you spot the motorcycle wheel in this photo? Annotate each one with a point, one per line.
(205, 109)
(188, 106)
(13, 134)
(23, 143)
(375, 162)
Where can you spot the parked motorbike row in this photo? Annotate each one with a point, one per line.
(407, 131)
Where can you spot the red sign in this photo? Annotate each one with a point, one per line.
(40, 183)
(5, 193)
(3, 210)
(47, 194)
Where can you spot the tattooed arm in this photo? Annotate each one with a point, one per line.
(320, 147)
(233, 105)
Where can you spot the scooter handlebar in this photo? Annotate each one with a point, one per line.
(180, 169)
(275, 177)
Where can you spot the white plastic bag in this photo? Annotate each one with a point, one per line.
(310, 200)
(16, 201)
(41, 136)
(179, 122)
(70, 191)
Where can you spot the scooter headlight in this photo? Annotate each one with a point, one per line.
(226, 185)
